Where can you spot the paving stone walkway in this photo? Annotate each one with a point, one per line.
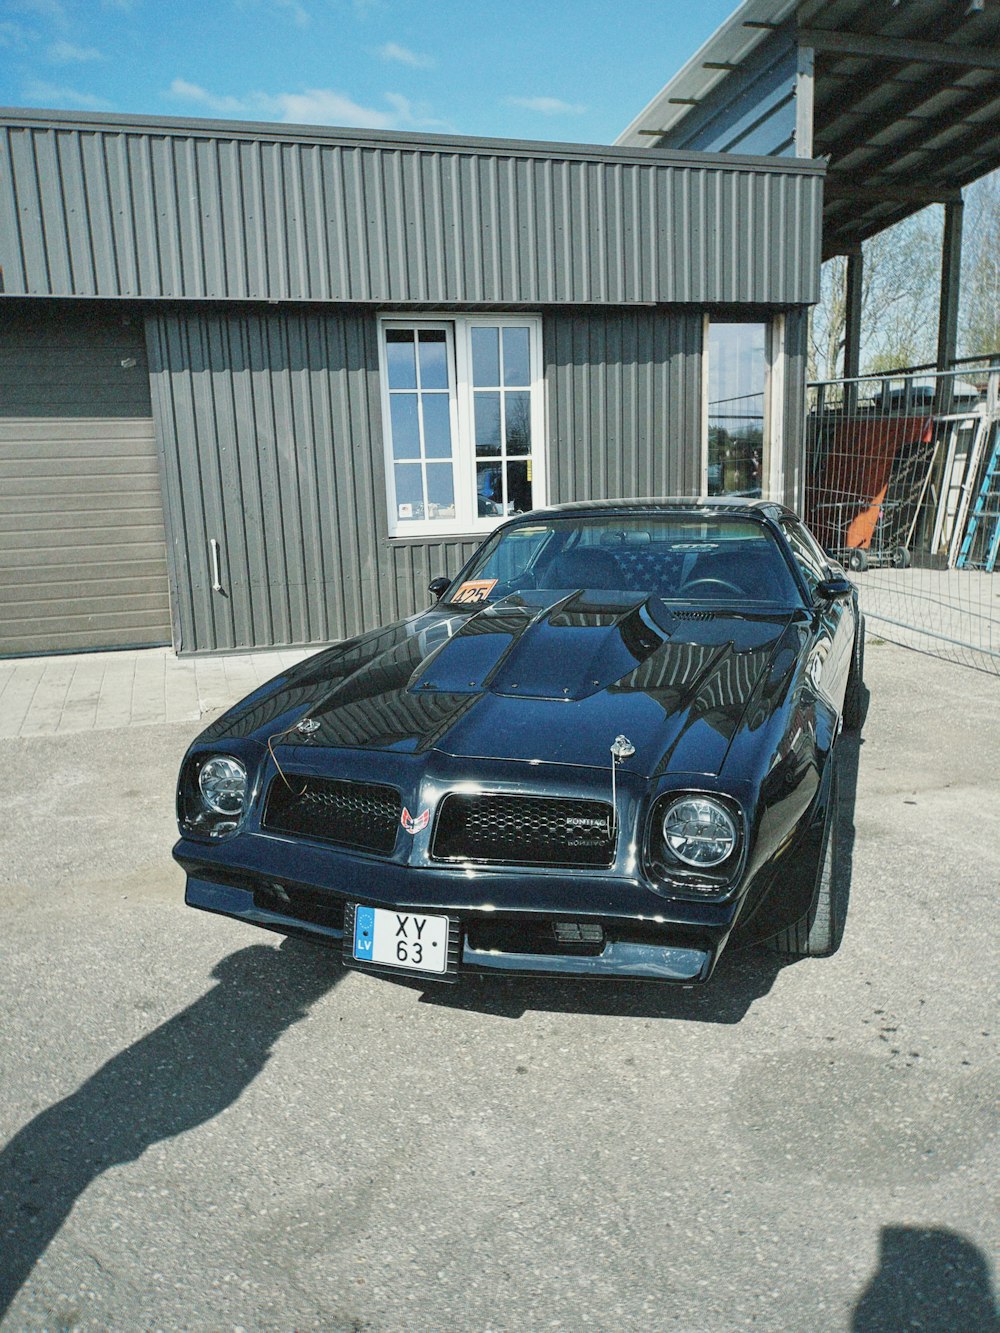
(43, 696)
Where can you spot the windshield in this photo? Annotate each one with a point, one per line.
(688, 558)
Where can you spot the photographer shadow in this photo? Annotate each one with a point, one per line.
(932, 1279)
(177, 1077)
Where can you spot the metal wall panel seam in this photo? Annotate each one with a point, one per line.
(93, 166)
(10, 221)
(76, 201)
(173, 497)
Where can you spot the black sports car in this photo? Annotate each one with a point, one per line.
(605, 750)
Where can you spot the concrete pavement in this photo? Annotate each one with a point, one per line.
(43, 696)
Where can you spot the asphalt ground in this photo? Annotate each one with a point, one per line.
(206, 1127)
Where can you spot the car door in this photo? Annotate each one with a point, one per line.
(834, 618)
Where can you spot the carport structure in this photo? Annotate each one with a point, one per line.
(902, 100)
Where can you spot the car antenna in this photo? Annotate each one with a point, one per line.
(305, 727)
(621, 748)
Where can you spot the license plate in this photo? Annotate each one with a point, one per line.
(407, 940)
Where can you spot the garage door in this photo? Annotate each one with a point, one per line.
(82, 552)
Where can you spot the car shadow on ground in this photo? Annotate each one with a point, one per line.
(742, 976)
(180, 1075)
(931, 1279)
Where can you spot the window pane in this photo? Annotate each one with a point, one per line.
(519, 486)
(437, 425)
(440, 491)
(405, 430)
(737, 372)
(409, 491)
(399, 359)
(487, 423)
(515, 356)
(433, 359)
(485, 355)
(489, 489)
(518, 408)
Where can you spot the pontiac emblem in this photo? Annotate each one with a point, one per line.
(307, 727)
(414, 825)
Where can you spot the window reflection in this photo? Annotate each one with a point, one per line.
(737, 380)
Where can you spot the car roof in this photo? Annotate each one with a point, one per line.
(705, 504)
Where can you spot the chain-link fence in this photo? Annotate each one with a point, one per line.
(903, 487)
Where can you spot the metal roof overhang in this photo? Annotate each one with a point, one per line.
(906, 100)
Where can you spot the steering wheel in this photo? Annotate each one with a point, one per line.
(708, 582)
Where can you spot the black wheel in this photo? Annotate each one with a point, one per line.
(857, 559)
(900, 558)
(819, 932)
(854, 702)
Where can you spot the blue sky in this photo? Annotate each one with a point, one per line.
(574, 71)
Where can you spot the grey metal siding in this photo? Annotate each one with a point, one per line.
(181, 212)
(272, 441)
(270, 428)
(750, 111)
(624, 403)
(82, 558)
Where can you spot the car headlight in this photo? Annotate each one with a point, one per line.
(699, 831)
(222, 782)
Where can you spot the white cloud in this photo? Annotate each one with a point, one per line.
(56, 96)
(404, 56)
(313, 106)
(65, 53)
(225, 106)
(300, 15)
(547, 106)
(13, 35)
(414, 115)
(324, 106)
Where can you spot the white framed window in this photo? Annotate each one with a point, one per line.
(463, 416)
(743, 368)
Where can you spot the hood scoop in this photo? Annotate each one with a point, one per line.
(568, 649)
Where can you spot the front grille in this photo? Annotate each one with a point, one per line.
(524, 830)
(351, 814)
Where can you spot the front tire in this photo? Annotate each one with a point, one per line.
(818, 933)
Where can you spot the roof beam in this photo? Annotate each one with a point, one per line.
(902, 49)
(846, 187)
(921, 129)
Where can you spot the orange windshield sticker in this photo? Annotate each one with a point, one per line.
(475, 590)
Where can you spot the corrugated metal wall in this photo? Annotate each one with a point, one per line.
(752, 110)
(182, 211)
(271, 432)
(624, 403)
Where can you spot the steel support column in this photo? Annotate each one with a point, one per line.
(951, 264)
(852, 326)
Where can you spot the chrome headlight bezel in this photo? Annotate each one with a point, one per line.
(198, 815)
(223, 785)
(699, 831)
(676, 877)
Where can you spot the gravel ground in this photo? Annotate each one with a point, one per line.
(207, 1127)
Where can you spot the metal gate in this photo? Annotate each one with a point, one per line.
(902, 485)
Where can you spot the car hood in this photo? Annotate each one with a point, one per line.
(532, 679)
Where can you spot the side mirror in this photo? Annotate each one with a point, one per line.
(438, 587)
(835, 587)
